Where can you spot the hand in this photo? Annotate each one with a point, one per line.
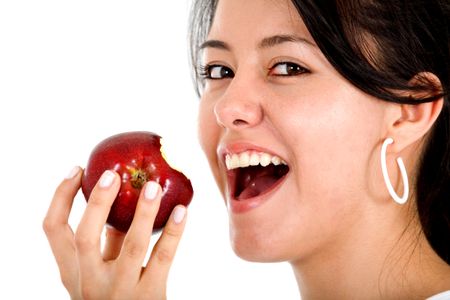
(117, 272)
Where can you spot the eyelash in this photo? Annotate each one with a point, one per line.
(298, 68)
(205, 70)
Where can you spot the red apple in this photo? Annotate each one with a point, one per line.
(137, 158)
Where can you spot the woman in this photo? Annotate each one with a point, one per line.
(326, 126)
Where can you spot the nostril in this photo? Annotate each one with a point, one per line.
(239, 122)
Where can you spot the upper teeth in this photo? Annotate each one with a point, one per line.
(251, 158)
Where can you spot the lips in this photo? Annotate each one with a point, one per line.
(253, 174)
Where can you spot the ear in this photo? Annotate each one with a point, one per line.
(409, 123)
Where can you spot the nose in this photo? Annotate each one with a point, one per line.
(239, 107)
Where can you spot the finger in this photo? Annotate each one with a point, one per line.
(87, 237)
(113, 244)
(137, 239)
(158, 266)
(57, 229)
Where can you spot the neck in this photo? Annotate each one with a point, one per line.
(377, 259)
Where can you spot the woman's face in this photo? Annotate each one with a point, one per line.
(272, 96)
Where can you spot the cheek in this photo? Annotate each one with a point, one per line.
(209, 133)
(208, 128)
(332, 139)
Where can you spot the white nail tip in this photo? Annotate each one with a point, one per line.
(151, 190)
(178, 214)
(73, 173)
(107, 179)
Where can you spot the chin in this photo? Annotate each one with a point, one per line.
(252, 253)
(256, 241)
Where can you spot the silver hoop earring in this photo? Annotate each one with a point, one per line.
(402, 168)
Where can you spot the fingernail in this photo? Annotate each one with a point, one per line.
(73, 173)
(178, 214)
(108, 226)
(151, 190)
(107, 179)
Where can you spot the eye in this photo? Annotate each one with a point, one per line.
(215, 72)
(287, 69)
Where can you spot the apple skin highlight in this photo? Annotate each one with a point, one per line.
(137, 158)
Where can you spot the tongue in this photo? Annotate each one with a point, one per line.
(257, 185)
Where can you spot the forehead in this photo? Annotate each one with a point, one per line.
(256, 19)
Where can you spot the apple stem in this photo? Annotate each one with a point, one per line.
(138, 178)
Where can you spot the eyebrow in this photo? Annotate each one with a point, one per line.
(265, 43)
(215, 44)
(283, 38)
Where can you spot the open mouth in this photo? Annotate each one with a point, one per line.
(252, 174)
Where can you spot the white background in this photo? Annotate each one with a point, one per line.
(73, 73)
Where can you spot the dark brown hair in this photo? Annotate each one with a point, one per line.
(380, 47)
